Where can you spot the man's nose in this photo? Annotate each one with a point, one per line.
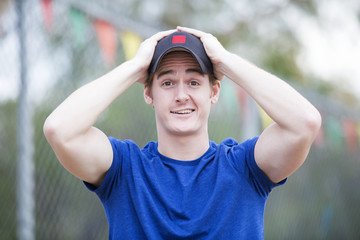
(181, 93)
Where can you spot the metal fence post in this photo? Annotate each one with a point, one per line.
(25, 170)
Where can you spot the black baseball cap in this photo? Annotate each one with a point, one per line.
(181, 41)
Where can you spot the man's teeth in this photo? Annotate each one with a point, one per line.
(184, 111)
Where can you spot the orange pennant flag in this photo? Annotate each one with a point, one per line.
(349, 127)
(243, 98)
(107, 38)
(358, 131)
(48, 13)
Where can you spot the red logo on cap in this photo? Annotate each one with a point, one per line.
(179, 39)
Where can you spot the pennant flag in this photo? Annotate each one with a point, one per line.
(243, 98)
(265, 119)
(48, 13)
(107, 38)
(334, 132)
(349, 127)
(131, 43)
(229, 97)
(249, 114)
(358, 131)
(79, 25)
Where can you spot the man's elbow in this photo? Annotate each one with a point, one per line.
(51, 130)
(312, 124)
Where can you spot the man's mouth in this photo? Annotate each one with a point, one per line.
(181, 112)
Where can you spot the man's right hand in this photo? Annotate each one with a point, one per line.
(145, 53)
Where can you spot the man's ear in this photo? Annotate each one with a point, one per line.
(215, 93)
(147, 95)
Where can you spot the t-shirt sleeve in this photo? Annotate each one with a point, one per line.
(119, 150)
(244, 160)
(265, 184)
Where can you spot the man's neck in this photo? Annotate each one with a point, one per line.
(185, 148)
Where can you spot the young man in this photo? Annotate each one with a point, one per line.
(183, 186)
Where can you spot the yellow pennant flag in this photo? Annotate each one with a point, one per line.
(265, 119)
(131, 43)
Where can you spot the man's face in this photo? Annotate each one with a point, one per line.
(181, 95)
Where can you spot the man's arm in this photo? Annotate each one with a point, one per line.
(283, 146)
(81, 148)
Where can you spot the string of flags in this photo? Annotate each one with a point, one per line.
(334, 130)
(337, 132)
(106, 33)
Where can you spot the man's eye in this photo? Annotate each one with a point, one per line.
(167, 83)
(194, 83)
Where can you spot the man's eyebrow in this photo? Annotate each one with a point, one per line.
(189, 70)
(194, 70)
(165, 73)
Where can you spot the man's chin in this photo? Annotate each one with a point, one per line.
(184, 132)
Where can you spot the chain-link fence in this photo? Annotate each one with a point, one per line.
(61, 52)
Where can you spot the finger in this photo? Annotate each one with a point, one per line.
(152, 41)
(160, 35)
(193, 31)
(204, 37)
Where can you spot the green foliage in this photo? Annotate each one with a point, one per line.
(308, 6)
(280, 58)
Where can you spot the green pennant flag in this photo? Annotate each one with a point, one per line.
(229, 97)
(334, 132)
(79, 25)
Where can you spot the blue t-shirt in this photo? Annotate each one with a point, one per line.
(221, 195)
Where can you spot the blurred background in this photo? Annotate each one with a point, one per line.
(49, 48)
